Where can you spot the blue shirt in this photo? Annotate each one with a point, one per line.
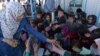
(24, 24)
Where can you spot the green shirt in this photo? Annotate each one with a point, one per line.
(27, 54)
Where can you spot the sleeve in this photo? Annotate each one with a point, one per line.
(32, 31)
(19, 29)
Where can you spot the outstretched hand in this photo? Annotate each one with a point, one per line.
(51, 41)
(56, 46)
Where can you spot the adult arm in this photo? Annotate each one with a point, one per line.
(34, 32)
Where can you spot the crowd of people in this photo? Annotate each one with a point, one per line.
(75, 34)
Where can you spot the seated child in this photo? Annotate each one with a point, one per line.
(86, 38)
(47, 20)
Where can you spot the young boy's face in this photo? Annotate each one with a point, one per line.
(30, 21)
(38, 16)
(60, 13)
(90, 20)
(87, 34)
(70, 19)
(79, 21)
(48, 17)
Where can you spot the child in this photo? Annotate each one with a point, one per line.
(51, 35)
(47, 19)
(61, 19)
(27, 50)
(91, 20)
(34, 43)
(81, 15)
(90, 23)
(72, 26)
(24, 36)
(86, 38)
(38, 18)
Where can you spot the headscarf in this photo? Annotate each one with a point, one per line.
(8, 19)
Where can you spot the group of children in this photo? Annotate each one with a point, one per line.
(75, 33)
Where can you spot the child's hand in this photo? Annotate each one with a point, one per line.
(58, 45)
(57, 50)
(56, 26)
(53, 41)
(28, 44)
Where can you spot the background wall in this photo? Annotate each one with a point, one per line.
(89, 6)
(92, 7)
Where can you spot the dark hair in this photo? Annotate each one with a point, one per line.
(82, 31)
(59, 8)
(46, 14)
(41, 27)
(23, 31)
(93, 19)
(79, 10)
(38, 12)
(29, 19)
(70, 15)
(96, 33)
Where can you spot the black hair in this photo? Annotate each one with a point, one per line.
(82, 31)
(51, 34)
(96, 33)
(27, 35)
(29, 19)
(41, 27)
(46, 14)
(94, 18)
(79, 10)
(39, 12)
(70, 15)
(59, 8)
